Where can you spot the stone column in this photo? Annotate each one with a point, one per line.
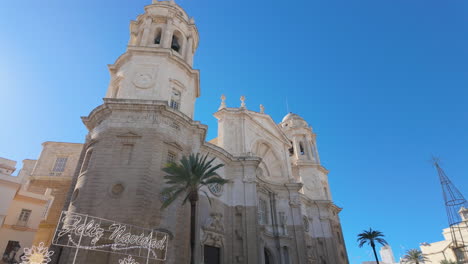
(146, 31)
(167, 35)
(296, 215)
(308, 148)
(189, 51)
(251, 231)
(296, 147)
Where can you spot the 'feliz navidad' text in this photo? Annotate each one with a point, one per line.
(74, 225)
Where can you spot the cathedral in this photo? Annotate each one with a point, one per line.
(277, 207)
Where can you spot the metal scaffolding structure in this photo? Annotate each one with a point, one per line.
(455, 203)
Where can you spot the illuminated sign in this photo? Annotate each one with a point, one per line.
(92, 233)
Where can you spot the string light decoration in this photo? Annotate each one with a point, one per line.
(128, 260)
(37, 255)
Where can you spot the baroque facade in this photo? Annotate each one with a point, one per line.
(277, 207)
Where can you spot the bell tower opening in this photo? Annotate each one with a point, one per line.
(157, 39)
(175, 44)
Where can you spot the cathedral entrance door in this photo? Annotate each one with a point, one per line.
(267, 256)
(212, 255)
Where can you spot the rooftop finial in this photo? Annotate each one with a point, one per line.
(242, 98)
(223, 102)
(262, 109)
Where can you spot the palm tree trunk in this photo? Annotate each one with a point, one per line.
(375, 254)
(193, 206)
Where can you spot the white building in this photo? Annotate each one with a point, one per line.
(22, 208)
(445, 250)
(386, 253)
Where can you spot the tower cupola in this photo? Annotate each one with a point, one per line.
(158, 62)
(304, 147)
(165, 25)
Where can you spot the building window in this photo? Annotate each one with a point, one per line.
(24, 217)
(305, 220)
(175, 99)
(126, 154)
(171, 157)
(262, 212)
(60, 164)
(325, 192)
(216, 189)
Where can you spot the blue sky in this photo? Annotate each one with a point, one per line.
(383, 83)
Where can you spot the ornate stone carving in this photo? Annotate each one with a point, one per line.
(295, 201)
(215, 223)
(223, 102)
(213, 230)
(242, 98)
(213, 239)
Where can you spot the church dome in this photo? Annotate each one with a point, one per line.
(291, 116)
(293, 120)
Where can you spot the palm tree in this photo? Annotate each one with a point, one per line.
(186, 178)
(371, 237)
(413, 256)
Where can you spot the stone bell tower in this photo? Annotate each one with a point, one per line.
(159, 58)
(144, 122)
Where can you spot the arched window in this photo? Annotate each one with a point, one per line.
(175, 44)
(157, 39)
(301, 148)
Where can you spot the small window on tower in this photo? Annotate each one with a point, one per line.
(175, 100)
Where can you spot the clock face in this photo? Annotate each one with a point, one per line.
(143, 80)
(216, 189)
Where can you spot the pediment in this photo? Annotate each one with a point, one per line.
(269, 126)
